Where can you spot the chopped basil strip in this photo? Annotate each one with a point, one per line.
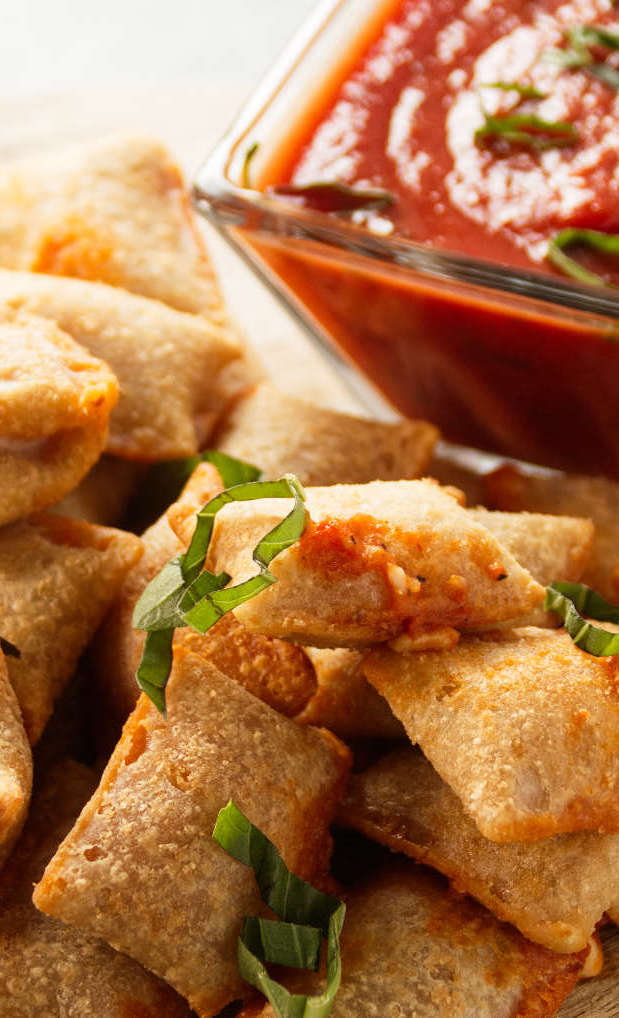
(607, 243)
(249, 155)
(290, 944)
(578, 56)
(183, 593)
(334, 196)
(527, 130)
(164, 481)
(155, 666)
(9, 648)
(526, 91)
(300, 906)
(572, 601)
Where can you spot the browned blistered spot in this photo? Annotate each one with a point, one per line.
(612, 675)
(580, 717)
(455, 587)
(74, 249)
(496, 571)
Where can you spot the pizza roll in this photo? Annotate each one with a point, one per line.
(344, 701)
(522, 724)
(15, 766)
(57, 577)
(47, 968)
(104, 494)
(277, 672)
(375, 561)
(412, 947)
(170, 365)
(283, 435)
(55, 404)
(115, 211)
(510, 487)
(140, 868)
(554, 891)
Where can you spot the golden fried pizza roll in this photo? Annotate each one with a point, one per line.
(15, 766)
(104, 494)
(522, 724)
(55, 404)
(412, 947)
(550, 547)
(114, 211)
(597, 498)
(277, 672)
(171, 366)
(57, 577)
(344, 701)
(47, 968)
(375, 561)
(554, 891)
(148, 827)
(285, 435)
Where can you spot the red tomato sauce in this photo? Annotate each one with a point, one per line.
(405, 121)
(499, 372)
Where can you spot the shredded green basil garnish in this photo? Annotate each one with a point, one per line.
(249, 155)
(607, 243)
(577, 54)
(183, 593)
(308, 915)
(525, 129)
(525, 91)
(335, 196)
(572, 601)
(9, 648)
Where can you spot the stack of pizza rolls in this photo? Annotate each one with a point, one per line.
(401, 679)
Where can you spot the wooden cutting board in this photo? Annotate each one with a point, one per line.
(190, 118)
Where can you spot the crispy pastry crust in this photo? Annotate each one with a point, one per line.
(57, 577)
(322, 446)
(140, 868)
(169, 364)
(413, 948)
(555, 891)
(522, 724)
(46, 967)
(15, 766)
(55, 405)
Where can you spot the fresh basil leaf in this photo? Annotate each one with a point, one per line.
(607, 243)
(573, 600)
(282, 943)
(604, 72)
(164, 482)
(296, 902)
(249, 155)
(158, 605)
(335, 196)
(292, 899)
(194, 557)
(155, 666)
(183, 594)
(231, 470)
(525, 129)
(525, 91)
(9, 649)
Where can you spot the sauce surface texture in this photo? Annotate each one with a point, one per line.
(405, 120)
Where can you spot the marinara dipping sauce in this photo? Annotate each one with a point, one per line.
(493, 129)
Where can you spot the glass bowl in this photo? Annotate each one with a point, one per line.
(517, 362)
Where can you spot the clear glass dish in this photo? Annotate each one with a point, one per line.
(511, 361)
